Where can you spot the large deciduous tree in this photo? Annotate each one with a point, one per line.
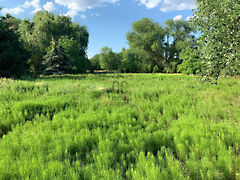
(219, 24)
(109, 60)
(134, 61)
(12, 54)
(95, 62)
(162, 44)
(148, 36)
(179, 35)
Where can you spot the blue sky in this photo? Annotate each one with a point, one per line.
(107, 21)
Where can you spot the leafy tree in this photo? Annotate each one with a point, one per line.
(219, 24)
(95, 62)
(31, 44)
(179, 34)
(148, 36)
(162, 44)
(108, 59)
(133, 61)
(56, 61)
(13, 22)
(12, 54)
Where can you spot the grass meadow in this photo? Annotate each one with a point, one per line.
(153, 126)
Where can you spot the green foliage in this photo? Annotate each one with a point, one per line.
(56, 61)
(74, 52)
(192, 63)
(13, 22)
(178, 36)
(155, 69)
(151, 46)
(109, 60)
(219, 24)
(162, 44)
(162, 127)
(147, 36)
(171, 67)
(37, 37)
(95, 62)
(12, 54)
(133, 61)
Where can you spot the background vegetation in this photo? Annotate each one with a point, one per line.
(153, 48)
(207, 45)
(35, 37)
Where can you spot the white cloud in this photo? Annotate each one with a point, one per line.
(150, 3)
(169, 5)
(71, 13)
(83, 16)
(49, 6)
(178, 17)
(34, 3)
(76, 6)
(95, 14)
(14, 11)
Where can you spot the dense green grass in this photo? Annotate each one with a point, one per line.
(159, 127)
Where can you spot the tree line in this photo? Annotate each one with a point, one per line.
(208, 45)
(153, 48)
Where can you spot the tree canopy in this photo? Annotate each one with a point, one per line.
(148, 36)
(162, 43)
(108, 59)
(219, 22)
(12, 54)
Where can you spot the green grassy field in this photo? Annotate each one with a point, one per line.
(155, 127)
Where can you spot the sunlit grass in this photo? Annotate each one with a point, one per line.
(157, 127)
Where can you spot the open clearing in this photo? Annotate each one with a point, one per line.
(155, 127)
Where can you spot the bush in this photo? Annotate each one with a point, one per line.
(155, 69)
